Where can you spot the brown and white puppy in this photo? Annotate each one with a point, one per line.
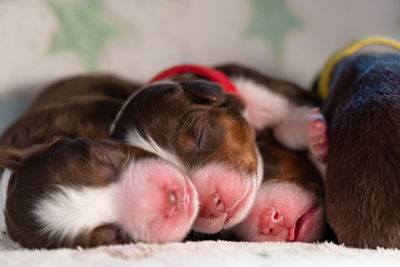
(289, 203)
(208, 134)
(69, 187)
(290, 111)
(362, 179)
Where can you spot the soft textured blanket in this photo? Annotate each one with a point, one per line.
(204, 254)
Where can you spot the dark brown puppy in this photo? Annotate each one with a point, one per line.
(363, 175)
(77, 107)
(66, 190)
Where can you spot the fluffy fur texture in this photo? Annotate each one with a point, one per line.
(362, 183)
(69, 211)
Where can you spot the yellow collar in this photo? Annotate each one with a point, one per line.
(325, 77)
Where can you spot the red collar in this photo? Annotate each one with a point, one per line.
(207, 72)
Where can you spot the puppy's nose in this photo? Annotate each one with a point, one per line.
(272, 222)
(174, 200)
(213, 207)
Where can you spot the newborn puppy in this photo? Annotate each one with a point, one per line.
(187, 117)
(289, 203)
(71, 187)
(290, 111)
(362, 179)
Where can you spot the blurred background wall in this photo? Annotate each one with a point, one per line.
(44, 40)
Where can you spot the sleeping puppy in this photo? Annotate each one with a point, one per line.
(289, 203)
(191, 116)
(69, 186)
(363, 186)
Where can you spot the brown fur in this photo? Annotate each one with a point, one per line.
(363, 175)
(77, 107)
(285, 165)
(197, 126)
(46, 148)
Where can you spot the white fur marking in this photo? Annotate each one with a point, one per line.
(69, 211)
(293, 132)
(5, 178)
(256, 182)
(134, 138)
(268, 109)
(265, 108)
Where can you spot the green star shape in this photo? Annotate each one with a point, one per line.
(272, 21)
(83, 29)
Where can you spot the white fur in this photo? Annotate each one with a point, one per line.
(135, 139)
(69, 211)
(5, 178)
(265, 108)
(293, 131)
(239, 216)
(269, 109)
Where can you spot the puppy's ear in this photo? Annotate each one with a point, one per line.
(11, 158)
(204, 91)
(111, 153)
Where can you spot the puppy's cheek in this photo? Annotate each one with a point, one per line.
(225, 197)
(156, 203)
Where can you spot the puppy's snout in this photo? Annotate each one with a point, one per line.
(214, 206)
(225, 197)
(271, 222)
(176, 201)
(157, 203)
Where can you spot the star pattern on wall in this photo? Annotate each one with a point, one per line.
(272, 21)
(83, 28)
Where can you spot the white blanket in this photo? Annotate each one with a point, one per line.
(202, 254)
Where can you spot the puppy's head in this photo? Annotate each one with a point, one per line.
(81, 192)
(289, 204)
(203, 131)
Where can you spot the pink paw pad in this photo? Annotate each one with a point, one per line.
(317, 135)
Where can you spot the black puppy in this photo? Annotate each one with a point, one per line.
(363, 172)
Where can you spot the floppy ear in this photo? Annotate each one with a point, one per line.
(11, 158)
(207, 92)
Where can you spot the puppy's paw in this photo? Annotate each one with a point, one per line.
(317, 136)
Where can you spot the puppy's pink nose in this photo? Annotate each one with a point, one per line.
(272, 222)
(173, 202)
(214, 206)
